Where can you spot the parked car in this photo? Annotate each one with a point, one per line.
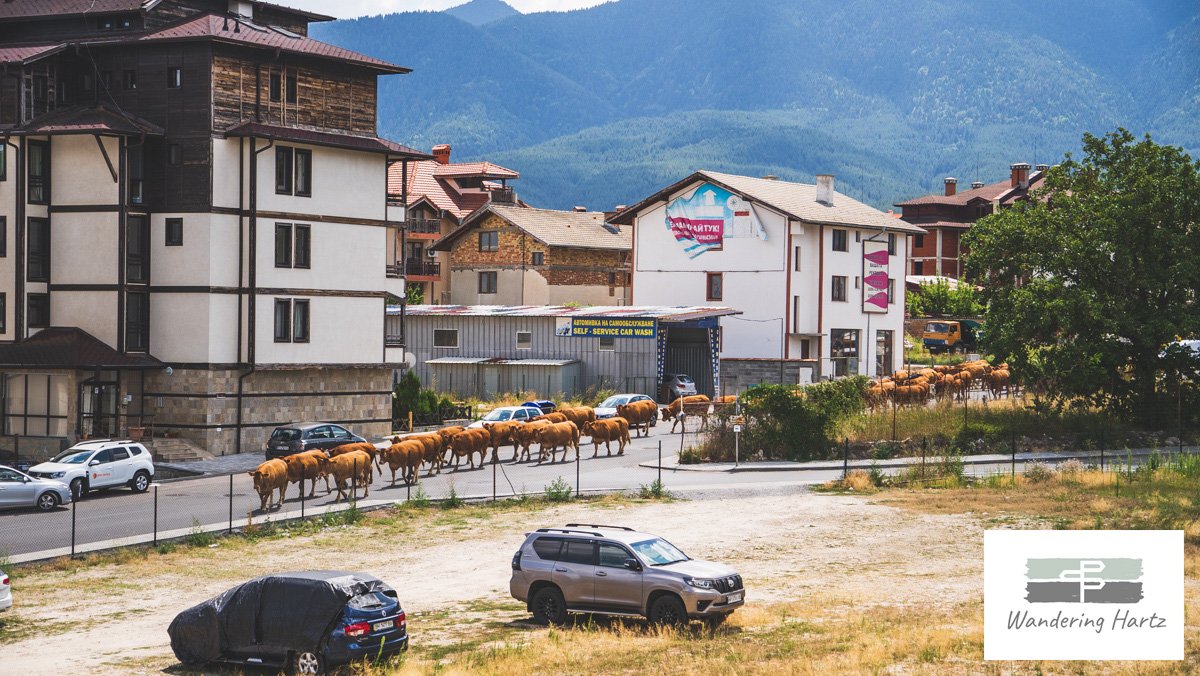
(102, 463)
(608, 407)
(5, 592)
(544, 405)
(305, 622)
(521, 413)
(18, 490)
(678, 385)
(616, 570)
(300, 437)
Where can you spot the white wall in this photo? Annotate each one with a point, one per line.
(346, 183)
(84, 248)
(342, 331)
(78, 172)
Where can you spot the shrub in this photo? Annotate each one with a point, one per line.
(1070, 468)
(453, 501)
(885, 451)
(559, 491)
(655, 491)
(197, 536)
(878, 478)
(1038, 472)
(408, 396)
(859, 480)
(419, 499)
(797, 423)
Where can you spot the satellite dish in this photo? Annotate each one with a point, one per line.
(410, 360)
(170, 370)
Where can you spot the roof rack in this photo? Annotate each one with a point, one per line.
(594, 525)
(569, 530)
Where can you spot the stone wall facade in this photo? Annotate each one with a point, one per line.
(202, 405)
(737, 375)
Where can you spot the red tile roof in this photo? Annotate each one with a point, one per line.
(370, 144)
(428, 180)
(30, 9)
(482, 169)
(212, 26)
(68, 347)
(1001, 190)
(27, 53)
(98, 119)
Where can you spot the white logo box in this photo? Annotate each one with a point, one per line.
(1148, 629)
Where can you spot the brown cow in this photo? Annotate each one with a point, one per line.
(564, 434)
(556, 417)
(355, 467)
(579, 415)
(271, 475)
(608, 431)
(447, 433)
(307, 465)
(469, 442)
(502, 435)
(405, 455)
(434, 449)
(523, 438)
(364, 446)
(640, 414)
(672, 410)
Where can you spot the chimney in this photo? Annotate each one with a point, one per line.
(580, 210)
(441, 154)
(241, 8)
(1042, 168)
(825, 189)
(1020, 175)
(976, 184)
(951, 185)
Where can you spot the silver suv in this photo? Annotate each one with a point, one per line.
(613, 570)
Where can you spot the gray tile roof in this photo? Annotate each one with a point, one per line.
(582, 230)
(799, 200)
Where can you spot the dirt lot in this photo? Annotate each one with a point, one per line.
(451, 568)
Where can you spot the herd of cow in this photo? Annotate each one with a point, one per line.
(915, 387)
(352, 466)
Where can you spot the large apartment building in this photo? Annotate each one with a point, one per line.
(195, 234)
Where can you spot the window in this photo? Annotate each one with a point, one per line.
(489, 240)
(303, 172)
(137, 249)
(283, 170)
(445, 337)
(39, 172)
(276, 86)
(303, 248)
(918, 241)
(856, 282)
(547, 548)
(87, 82)
(891, 244)
(137, 322)
(3, 313)
(487, 282)
(291, 88)
(579, 551)
(174, 77)
(608, 344)
(38, 310)
(300, 321)
(524, 340)
(844, 351)
(796, 259)
(613, 556)
(839, 240)
(283, 245)
(3, 236)
(62, 90)
(805, 350)
(174, 232)
(839, 288)
(129, 77)
(174, 154)
(106, 79)
(539, 258)
(283, 321)
(137, 174)
(891, 292)
(120, 453)
(38, 262)
(918, 267)
(715, 285)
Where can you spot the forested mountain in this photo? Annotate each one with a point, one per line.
(479, 12)
(602, 106)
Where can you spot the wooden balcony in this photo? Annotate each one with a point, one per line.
(424, 226)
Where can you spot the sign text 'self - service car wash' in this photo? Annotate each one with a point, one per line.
(608, 327)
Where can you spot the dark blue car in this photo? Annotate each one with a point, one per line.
(545, 405)
(305, 622)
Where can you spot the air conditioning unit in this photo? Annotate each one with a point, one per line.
(431, 253)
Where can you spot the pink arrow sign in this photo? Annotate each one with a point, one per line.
(878, 300)
(877, 257)
(877, 280)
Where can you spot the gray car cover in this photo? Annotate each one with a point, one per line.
(268, 616)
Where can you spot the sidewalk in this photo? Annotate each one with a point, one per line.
(672, 462)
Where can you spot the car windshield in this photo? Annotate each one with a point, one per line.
(285, 434)
(685, 379)
(937, 327)
(370, 601)
(498, 415)
(659, 552)
(73, 457)
(615, 401)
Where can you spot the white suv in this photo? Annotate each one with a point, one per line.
(90, 465)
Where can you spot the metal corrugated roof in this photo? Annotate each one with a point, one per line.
(494, 361)
(457, 360)
(661, 312)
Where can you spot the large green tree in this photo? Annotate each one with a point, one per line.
(1086, 283)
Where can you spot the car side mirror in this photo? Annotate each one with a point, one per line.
(632, 564)
(93, 463)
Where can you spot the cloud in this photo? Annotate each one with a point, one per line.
(344, 9)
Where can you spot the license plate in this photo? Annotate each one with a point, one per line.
(383, 626)
(733, 598)
(281, 448)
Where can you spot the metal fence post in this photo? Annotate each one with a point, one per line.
(74, 507)
(846, 459)
(924, 448)
(660, 462)
(1101, 448)
(354, 483)
(302, 500)
(155, 515)
(231, 501)
(577, 484)
(493, 479)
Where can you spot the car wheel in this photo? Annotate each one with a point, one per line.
(549, 607)
(141, 482)
(307, 663)
(715, 621)
(47, 501)
(78, 490)
(668, 610)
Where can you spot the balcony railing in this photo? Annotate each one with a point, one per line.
(419, 268)
(425, 226)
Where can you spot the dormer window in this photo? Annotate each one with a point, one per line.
(471, 183)
(113, 23)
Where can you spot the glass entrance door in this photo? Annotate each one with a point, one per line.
(883, 353)
(98, 410)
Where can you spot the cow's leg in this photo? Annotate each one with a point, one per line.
(596, 447)
(263, 497)
(608, 447)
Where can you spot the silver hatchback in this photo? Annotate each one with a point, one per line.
(18, 490)
(613, 570)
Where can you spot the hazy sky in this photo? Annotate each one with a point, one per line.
(351, 8)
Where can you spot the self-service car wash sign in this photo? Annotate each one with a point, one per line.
(704, 218)
(875, 276)
(607, 327)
